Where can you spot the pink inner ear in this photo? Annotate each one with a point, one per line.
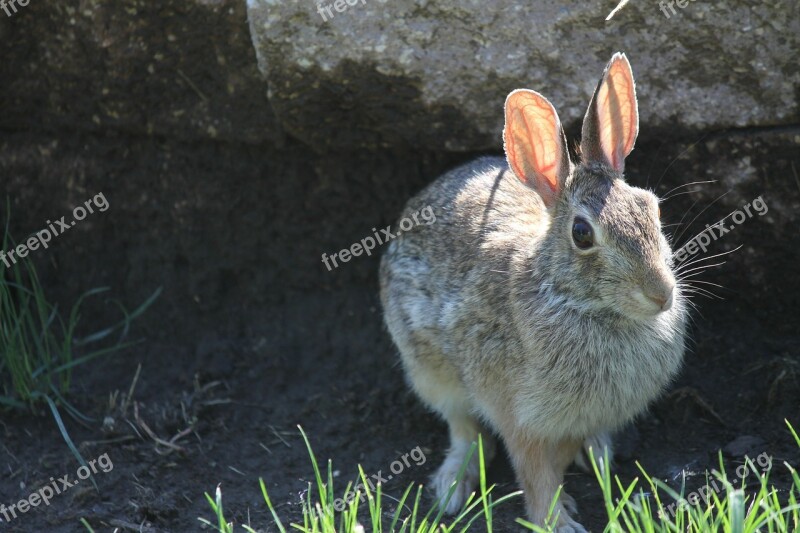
(532, 138)
(617, 114)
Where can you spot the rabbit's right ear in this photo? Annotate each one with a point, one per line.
(611, 123)
(535, 144)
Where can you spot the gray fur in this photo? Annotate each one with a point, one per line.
(500, 319)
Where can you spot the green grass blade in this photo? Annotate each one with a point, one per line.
(67, 438)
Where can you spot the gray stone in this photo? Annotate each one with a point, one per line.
(745, 445)
(435, 74)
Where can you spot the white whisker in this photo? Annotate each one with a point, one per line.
(666, 195)
(679, 156)
(704, 292)
(705, 283)
(699, 268)
(700, 213)
(684, 265)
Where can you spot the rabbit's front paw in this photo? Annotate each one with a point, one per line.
(569, 503)
(447, 475)
(568, 525)
(596, 445)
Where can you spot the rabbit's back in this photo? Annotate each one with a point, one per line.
(445, 287)
(483, 213)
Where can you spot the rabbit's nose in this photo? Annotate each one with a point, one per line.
(663, 299)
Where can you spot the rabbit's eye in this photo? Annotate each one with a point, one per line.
(582, 234)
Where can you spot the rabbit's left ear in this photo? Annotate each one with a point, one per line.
(535, 145)
(611, 123)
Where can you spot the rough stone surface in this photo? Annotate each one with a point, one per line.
(435, 74)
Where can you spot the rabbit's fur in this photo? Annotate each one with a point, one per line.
(506, 327)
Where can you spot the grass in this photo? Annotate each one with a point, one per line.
(39, 350)
(631, 508)
(320, 514)
(727, 507)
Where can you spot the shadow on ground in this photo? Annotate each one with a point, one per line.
(253, 336)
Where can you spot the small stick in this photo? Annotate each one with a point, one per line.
(131, 389)
(622, 4)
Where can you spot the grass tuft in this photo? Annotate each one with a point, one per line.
(631, 508)
(38, 346)
(720, 505)
(320, 514)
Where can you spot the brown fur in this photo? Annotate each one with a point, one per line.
(505, 327)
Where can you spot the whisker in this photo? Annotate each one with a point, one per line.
(691, 278)
(691, 286)
(679, 156)
(676, 195)
(692, 282)
(700, 213)
(652, 164)
(684, 265)
(680, 222)
(702, 267)
(702, 292)
(688, 300)
(709, 295)
(666, 194)
(695, 272)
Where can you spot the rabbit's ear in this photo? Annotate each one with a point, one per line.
(612, 120)
(535, 144)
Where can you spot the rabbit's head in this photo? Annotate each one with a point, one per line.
(604, 248)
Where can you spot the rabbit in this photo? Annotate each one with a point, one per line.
(542, 306)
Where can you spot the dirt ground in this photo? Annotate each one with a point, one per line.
(253, 336)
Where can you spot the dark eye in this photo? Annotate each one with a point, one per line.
(582, 234)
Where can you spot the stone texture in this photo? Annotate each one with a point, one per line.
(435, 74)
(401, 73)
